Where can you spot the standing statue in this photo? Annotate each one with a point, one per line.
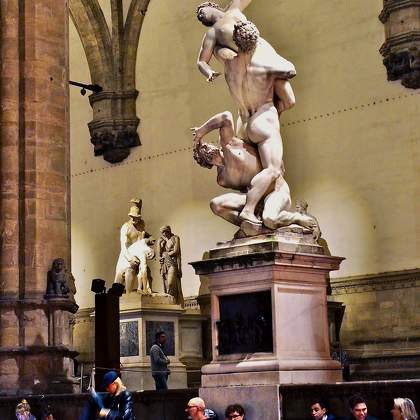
(169, 251)
(60, 282)
(255, 75)
(135, 251)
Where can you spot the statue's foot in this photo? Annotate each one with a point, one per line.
(253, 229)
(249, 217)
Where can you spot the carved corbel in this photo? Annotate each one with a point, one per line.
(401, 49)
(111, 58)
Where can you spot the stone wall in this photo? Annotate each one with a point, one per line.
(381, 325)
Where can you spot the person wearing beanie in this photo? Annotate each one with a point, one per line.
(117, 404)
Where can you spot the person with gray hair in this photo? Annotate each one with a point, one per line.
(404, 410)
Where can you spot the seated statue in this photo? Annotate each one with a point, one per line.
(60, 282)
(135, 251)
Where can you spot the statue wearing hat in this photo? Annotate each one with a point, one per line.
(135, 251)
(169, 251)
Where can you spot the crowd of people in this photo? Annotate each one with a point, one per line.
(403, 409)
(117, 403)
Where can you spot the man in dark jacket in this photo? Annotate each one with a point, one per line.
(159, 362)
(358, 409)
(117, 404)
(319, 411)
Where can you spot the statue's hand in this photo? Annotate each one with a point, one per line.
(197, 134)
(213, 76)
(134, 263)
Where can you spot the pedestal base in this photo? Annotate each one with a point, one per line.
(269, 313)
(141, 316)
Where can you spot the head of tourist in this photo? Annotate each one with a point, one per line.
(358, 407)
(195, 408)
(404, 409)
(208, 13)
(234, 412)
(160, 338)
(318, 409)
(112, 383)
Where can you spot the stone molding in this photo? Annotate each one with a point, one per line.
(393, 5)
(401, 49)
(376, 282)
(111, 57)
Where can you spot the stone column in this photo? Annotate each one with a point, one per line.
(34, 179)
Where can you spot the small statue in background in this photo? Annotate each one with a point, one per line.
(60, 282)
(135, 250)
(302, 208)
(169, 251)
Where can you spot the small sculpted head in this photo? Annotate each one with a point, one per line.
(302, 207)
(245, 36)
(207, 155)
(166, 231)
(58, 265)
(207, 13)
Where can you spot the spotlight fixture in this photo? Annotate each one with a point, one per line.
(116, 289)
(98, 286)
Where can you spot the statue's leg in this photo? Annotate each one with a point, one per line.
(277, 212)
(228, 206)
(263, 130)
(276, 206)
(129, 279)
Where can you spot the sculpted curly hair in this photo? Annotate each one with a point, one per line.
(201, 18)
(203, 154)
(245, 36)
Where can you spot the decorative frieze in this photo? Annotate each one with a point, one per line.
(401, 49)
(383, 281)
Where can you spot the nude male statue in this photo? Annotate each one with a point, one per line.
(237, 163)
(218, 41)
(251, 74)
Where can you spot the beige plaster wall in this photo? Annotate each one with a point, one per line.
(351, 142)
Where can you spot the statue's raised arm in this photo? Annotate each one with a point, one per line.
(205, 54)
(239, 4)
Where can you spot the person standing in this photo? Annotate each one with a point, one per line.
(117, 404)
(404, 410)
(159, 362)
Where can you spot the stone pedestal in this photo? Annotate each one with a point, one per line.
(141, 316)
(269, 318)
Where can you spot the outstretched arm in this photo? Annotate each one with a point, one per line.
(239, 4)
(205, 54)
